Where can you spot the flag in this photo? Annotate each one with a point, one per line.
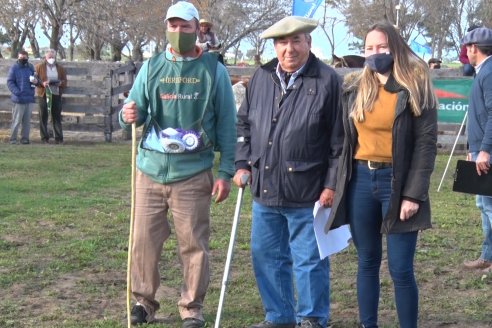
(305, 8)
(419, 48)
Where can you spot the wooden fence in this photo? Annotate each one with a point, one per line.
(92, 98)
(96, 91)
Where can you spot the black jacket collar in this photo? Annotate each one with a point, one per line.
(392, 85)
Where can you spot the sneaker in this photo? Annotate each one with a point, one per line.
(13, 142)
(138, 315)
(24, 141)
(269, 324)
(310, 323)
(193, 323)
(477, 264)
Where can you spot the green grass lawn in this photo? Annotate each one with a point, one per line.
(64, 218)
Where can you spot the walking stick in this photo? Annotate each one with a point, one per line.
(132, 220)
(49, 106)
(452, 151)
(49, 101)
(244, 181)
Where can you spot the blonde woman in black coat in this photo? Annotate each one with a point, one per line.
(390, 124)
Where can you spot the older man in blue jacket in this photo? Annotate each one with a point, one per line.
(289, 139)
(21, 83)
(479, 130)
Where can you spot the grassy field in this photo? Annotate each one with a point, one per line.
(64, 218)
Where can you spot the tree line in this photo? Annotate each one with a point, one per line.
(114, 27)
(95, 26)
(441, 23)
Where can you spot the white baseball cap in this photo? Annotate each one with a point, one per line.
(184, 10)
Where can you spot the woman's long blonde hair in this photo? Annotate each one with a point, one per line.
(411, 72)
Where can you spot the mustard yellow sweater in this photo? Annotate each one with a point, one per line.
(374, 134)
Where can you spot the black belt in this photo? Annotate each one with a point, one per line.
(372, 165)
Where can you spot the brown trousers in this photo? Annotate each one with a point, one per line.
(189, 202)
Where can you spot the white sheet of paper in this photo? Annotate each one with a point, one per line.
(335, 240)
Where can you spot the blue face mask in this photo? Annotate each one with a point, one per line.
(380, 63)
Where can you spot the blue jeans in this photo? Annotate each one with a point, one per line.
(367, 202)
(484, 204)
(284, 250)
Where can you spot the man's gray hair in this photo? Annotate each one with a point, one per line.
(50, 51)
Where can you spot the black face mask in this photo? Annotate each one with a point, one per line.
(23, 61)
(380, 63)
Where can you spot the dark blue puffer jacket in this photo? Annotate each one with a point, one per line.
(19, 85)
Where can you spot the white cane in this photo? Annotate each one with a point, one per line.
(452, 151)
(244, 181)
(132, 219)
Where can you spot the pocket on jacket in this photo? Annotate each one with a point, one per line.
(303, 181)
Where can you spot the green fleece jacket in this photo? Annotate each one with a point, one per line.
(188, 94)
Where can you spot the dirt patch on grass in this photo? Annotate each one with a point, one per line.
(67, 297)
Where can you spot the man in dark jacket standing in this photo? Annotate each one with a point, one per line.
(479, 131)
(289, 140)
(20, 82)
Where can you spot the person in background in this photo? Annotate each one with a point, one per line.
(184, 99)
(289, 140)
(206, 38)
(53, 80)
(434, 63)
(21, 81)
(383, 178)
(479, 131)
(468, 69)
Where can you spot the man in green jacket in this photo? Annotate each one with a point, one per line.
(184, 99)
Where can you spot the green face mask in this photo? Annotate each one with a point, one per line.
(180, 41)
